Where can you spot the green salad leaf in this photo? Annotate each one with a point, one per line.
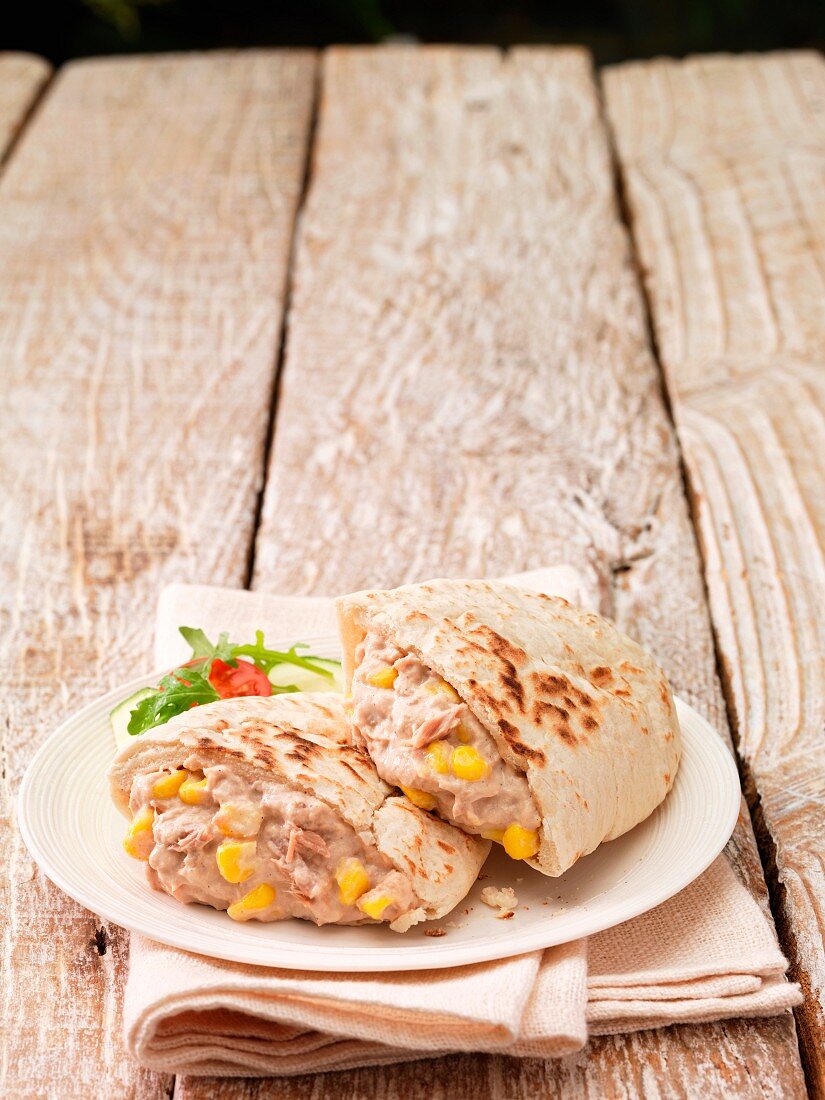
(189, 685)
(202, 647)
(267, 659)
(178, 691)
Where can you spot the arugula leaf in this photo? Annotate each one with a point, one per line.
(202, 647)
(267, 659)
(179, 690)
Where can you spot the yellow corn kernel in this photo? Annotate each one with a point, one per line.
(139, 839)
(169, 785)
(438, 755)
(236, 860)
(422, 799)
(254, 902)
(384, 677)
(193, 791)
(468, 763)
(494, 834)
(520, 843)
(462, 734)
(374, 907)
(238, 819)
(352, 879)
(441, 687)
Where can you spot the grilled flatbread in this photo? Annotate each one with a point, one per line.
(514, 714)
(263, 807)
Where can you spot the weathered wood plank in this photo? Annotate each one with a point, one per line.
(145, 225)
(468, 388)
(680, 1063)
(22, 77)
(724, 165)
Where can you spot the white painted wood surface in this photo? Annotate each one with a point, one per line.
(145, 225)
(724, 164)
(468, 388)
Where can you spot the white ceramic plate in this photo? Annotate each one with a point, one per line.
(74, 833)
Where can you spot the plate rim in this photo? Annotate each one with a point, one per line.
(432, 955)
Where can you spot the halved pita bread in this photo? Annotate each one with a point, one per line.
(578, 707)
(303, 740)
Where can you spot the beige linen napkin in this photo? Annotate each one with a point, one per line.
(706, 954)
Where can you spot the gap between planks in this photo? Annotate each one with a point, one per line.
(30, 80)
(280, 353)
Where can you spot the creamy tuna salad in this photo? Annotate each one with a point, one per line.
(259, 850)
(425, 740)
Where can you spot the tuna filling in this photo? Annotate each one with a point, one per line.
(261, 851)
(424, 739)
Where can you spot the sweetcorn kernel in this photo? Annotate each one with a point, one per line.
(193, 791)
(384, 677)
(374, 907)
(520, 843)
(254, 902)
(422, 799)
(139, 839)
(169, 785)
(462, 734)
(236, 860)
(238, 819)
(468, 763)
(494, 834)
(441, 687)
(438, 756)
(352, 879)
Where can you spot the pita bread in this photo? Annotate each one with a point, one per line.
(303, 740)
(578, 707)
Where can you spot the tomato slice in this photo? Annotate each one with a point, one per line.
(245, 679)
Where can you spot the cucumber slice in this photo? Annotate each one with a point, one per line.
(120, 716)
(292, 676)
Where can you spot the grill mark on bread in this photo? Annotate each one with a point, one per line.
(497, 645)
(626, 666)
(354, 771)
(549, 684)
(512, 736)
(514, 692)
(601, 676)
(483, 695)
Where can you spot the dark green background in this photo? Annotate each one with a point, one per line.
(613, 30)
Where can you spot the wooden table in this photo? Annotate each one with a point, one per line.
(310, 323)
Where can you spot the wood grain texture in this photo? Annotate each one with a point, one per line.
(145, 225)
(724, 165)
(729, 1060)
(468, 389)
(22, 78)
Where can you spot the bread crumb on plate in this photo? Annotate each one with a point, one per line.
(502, 898)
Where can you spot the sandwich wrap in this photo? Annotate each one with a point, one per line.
(266, 799)
(491, 705)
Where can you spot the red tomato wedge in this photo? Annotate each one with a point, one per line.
(245, 679)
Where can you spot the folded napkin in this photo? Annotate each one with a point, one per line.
(707, 954)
